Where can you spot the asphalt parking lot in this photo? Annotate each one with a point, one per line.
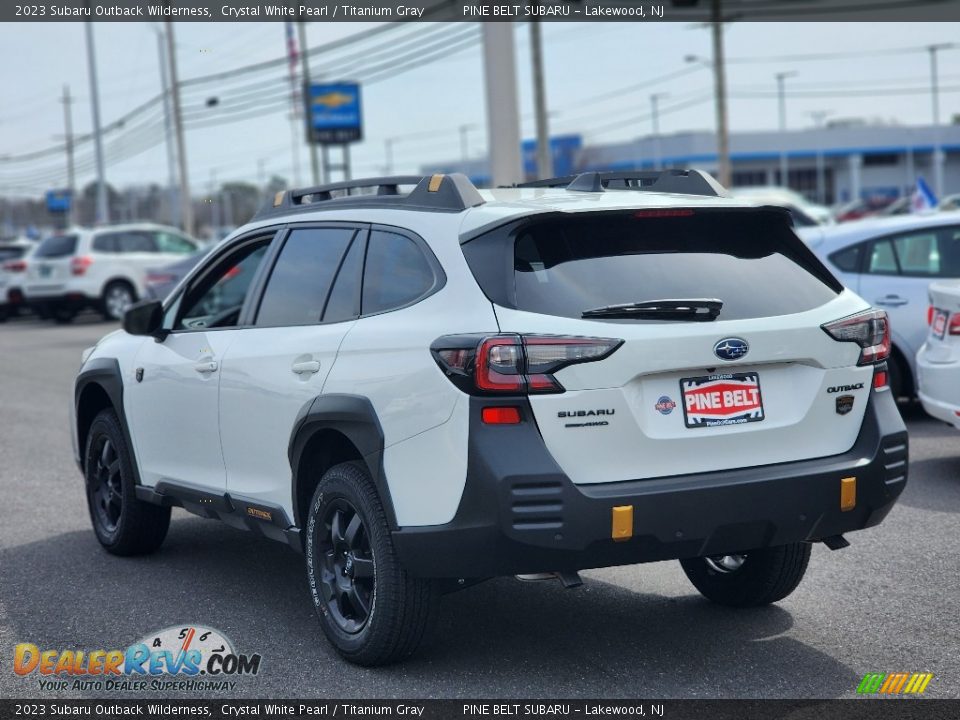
(888, 603)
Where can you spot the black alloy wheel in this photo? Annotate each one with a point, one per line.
(347, 571)
(105, 488)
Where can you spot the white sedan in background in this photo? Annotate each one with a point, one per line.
(938, 362)
(890, 262)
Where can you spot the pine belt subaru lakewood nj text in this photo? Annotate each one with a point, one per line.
(420, 385)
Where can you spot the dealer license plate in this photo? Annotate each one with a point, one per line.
(722, 399)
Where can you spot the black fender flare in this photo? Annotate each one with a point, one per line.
(353, 416)
(104, 372)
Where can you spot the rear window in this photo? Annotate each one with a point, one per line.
(57, 246)
(751, 261)
(12, 253)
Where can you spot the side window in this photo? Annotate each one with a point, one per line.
(950, 252)
(216, 297)
(396, 273)
(918, 253)
(302, 277)
(882, 259)
(136, 242)
(848, 259)
(168, 242)
(106, 243)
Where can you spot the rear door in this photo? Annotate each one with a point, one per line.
(274, 367)
(898, 270)
(755, 386)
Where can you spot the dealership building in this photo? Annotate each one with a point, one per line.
(833, 164)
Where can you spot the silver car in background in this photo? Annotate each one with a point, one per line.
(890, 262)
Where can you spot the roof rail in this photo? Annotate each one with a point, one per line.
(682, 182)
(439, 193)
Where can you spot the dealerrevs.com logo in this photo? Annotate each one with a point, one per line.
(178, 658)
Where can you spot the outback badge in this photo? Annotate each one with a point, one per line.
(844, 404)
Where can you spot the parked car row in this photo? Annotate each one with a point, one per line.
(104, 268)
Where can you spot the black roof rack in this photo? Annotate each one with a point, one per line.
(683, 182)
(440, 193)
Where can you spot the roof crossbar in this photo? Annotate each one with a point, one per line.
(682, 182)
(440, 193)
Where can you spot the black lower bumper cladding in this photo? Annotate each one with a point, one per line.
(520, 513)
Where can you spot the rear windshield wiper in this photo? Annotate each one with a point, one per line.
(695, 309)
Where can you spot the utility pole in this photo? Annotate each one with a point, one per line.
(465, 140)
(935, 97)
(186, 204)
(782, 100)
(305, 71)
(720, 95)
(68, 129)
(174, 217)
(294, 101)
(544, 154)
(655, 120)
(103, 211)
(503, 117)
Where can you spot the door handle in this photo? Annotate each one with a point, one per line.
(206, 367)
(892, 301)
(307, 367)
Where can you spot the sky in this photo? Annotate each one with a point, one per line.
(599, 78)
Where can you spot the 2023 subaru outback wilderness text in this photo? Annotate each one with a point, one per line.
(420, 388)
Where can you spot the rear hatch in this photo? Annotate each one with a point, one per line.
(50, 264)
(737, 372)
(943, 339)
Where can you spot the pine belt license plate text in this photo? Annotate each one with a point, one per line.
(724, 399)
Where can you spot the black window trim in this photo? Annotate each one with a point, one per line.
(892, 238)
(202, 269)
(439, 276)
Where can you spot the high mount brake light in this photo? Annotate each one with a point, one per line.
(869, 329)
(664, 213)
(515, 364)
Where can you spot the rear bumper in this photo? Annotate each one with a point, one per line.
(939, 389)
(520, 514)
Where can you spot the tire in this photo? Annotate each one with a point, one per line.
(370, 609)
(763, 576)
(4, 313)
(64, 314)
(117, 298)
(123, 524)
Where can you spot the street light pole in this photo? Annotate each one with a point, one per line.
(782, 100)
(103, 211)
(818, 117)
(544, 156)
(655, 120)
(186, 204)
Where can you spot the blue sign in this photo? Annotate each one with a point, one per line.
(333, 113)
(563, 148)
(58, 201)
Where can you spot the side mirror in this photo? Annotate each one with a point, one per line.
(145, 318)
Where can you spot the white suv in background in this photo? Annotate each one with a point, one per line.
(419, 390)
(104, 268)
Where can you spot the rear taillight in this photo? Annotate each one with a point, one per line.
(954, 327)
(514, 364)
(15, 266)
(930, 311)
(870, 330)
(79, 265)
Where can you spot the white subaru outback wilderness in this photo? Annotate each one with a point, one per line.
(421, 388)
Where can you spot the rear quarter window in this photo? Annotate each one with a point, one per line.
(750, 260)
